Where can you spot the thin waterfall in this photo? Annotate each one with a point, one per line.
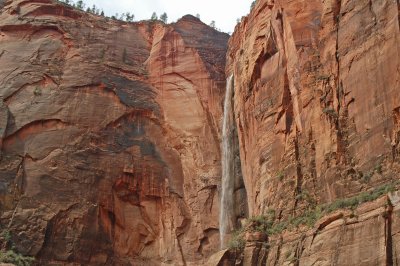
(226, 217)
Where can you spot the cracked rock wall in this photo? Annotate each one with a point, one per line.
(317, 110)
(109, 136)
(316, 99)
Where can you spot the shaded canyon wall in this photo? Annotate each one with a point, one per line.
(109, 136)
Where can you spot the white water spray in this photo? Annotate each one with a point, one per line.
(226, 216)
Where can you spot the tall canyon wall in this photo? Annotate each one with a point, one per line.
(109, 136)
(317, 102)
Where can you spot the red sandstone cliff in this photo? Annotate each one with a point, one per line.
(317, 106)
(110, 131)
(109, 136)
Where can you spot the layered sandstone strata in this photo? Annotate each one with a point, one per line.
(317, 102)
(110, 131)
(367, 235)
(109, 136)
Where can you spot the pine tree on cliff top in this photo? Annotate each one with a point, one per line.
(154, 16)
(164, 17)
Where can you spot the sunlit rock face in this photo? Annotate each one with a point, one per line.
(109, 136)
(317, 104)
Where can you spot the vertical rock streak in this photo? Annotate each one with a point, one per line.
(226, 216)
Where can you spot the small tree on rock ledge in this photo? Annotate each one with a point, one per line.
(80, 5)
(164, 17)
(154, 16)
(212, 24)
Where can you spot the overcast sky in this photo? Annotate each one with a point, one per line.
(224, 12)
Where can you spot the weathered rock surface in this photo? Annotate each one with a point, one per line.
(361, 237)
(109, 134)
(317, 98)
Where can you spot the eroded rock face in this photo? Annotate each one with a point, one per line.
(109, 133)
(109, 136)
(317, 110)
(361, 237)
(316, 99)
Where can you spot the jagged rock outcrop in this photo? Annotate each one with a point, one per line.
(361, 237)
(109, 136)
(317, 109)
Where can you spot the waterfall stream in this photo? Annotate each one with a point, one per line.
(226, 217)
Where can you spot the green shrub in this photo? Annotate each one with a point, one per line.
(330, 111)
(309, 218)
(237, 241)
(367, 176)
(305, 196)
(265, 223)
(260, 223)
(280, 175)
(378, 168)
(323, 77)
(37, 91)
(11, 256)
(6, 235)
(278, 228)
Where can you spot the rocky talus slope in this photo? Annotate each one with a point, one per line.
(109, 136)
(317, 106)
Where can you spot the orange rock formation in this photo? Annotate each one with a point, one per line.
(110, 134)
(317, 100)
